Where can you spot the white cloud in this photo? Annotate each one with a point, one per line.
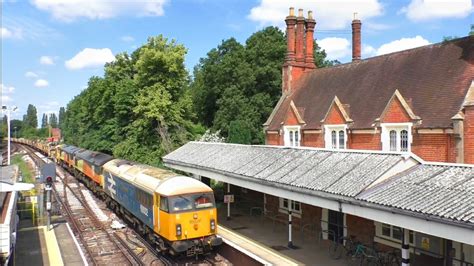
(11, 33)
(90, 58)
(46, 60)
(6, 99)
(368, 51)
(6, 33)
(70, 10)
(41, 83)
(419, 10)
(336, 48)
(6, 89)
(336, 14)
(402, 44)
(127, 38)
(31, 74)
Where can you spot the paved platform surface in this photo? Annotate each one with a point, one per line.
(261, 231)
(39, 246)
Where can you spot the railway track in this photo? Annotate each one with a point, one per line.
(101, 244)
(104, 245)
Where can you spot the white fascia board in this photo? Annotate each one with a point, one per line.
(447, 231)
(430, 227)
(263, 187)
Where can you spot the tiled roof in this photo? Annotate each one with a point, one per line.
(445, 191)
(433, 79)
(440, 190)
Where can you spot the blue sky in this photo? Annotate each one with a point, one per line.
(50, 48)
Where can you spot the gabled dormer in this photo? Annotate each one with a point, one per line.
(335, 124)
(292, 126)
(396, 123)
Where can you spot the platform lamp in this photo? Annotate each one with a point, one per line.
(8, 112)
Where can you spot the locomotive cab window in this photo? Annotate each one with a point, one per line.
(164, 204)
(191, 202)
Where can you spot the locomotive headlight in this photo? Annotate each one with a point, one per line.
(178, 230)
(213, 225)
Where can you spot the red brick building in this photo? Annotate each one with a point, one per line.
(419, 100)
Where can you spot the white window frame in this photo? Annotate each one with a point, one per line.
(398, 127)
(283, 209)
(328, 137)
(287, 131)
(390, 240)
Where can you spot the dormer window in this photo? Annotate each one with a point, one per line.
(335, 136)
(292, 136)
(396, 137)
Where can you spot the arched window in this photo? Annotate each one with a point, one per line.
(342, 142)
(393, 140)
(334, 139)
(404, 140)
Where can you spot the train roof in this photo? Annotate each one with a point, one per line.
(153, 179)
(70, 149)
(93, 157)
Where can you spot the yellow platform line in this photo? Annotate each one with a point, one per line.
(226, 232)
(54, 254)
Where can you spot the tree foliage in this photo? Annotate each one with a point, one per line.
(44, 121)
(242, 83)
(30, 119)
(141, 108)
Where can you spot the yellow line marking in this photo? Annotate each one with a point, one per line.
(54, 254)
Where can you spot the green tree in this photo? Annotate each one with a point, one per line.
(236, 82)
(141, 108)
(31, 119)
(44, 121)
(240, 132)
(61, 116)
(53, 120)
(471, 33)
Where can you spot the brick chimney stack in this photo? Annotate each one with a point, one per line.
(310, 24)
(290, 34)
(299, 52)
(356, 39)
(300, 31)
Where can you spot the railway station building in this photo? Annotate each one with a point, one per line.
(379, 148)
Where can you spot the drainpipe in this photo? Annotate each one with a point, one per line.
(228, 202)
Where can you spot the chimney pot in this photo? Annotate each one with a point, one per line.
(292, 11)
(310, 14)
(300, 12)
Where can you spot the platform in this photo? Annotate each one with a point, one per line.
(269, 243)
(39, 246)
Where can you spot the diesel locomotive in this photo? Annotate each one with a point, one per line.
(176, 213)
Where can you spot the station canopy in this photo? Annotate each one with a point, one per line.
(395, 188)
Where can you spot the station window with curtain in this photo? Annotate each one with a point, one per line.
(295, 206)
(396, 137)
(292, 136)
(335, 136)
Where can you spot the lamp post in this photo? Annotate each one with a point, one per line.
(13, 109)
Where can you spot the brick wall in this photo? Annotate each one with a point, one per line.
(469, 134)
(395, 113)
(274, 139)
(364, 141)
(313, 140)
(362, 229)
(434, 147)
(334, 117)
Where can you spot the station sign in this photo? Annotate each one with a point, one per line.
(229, 198)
